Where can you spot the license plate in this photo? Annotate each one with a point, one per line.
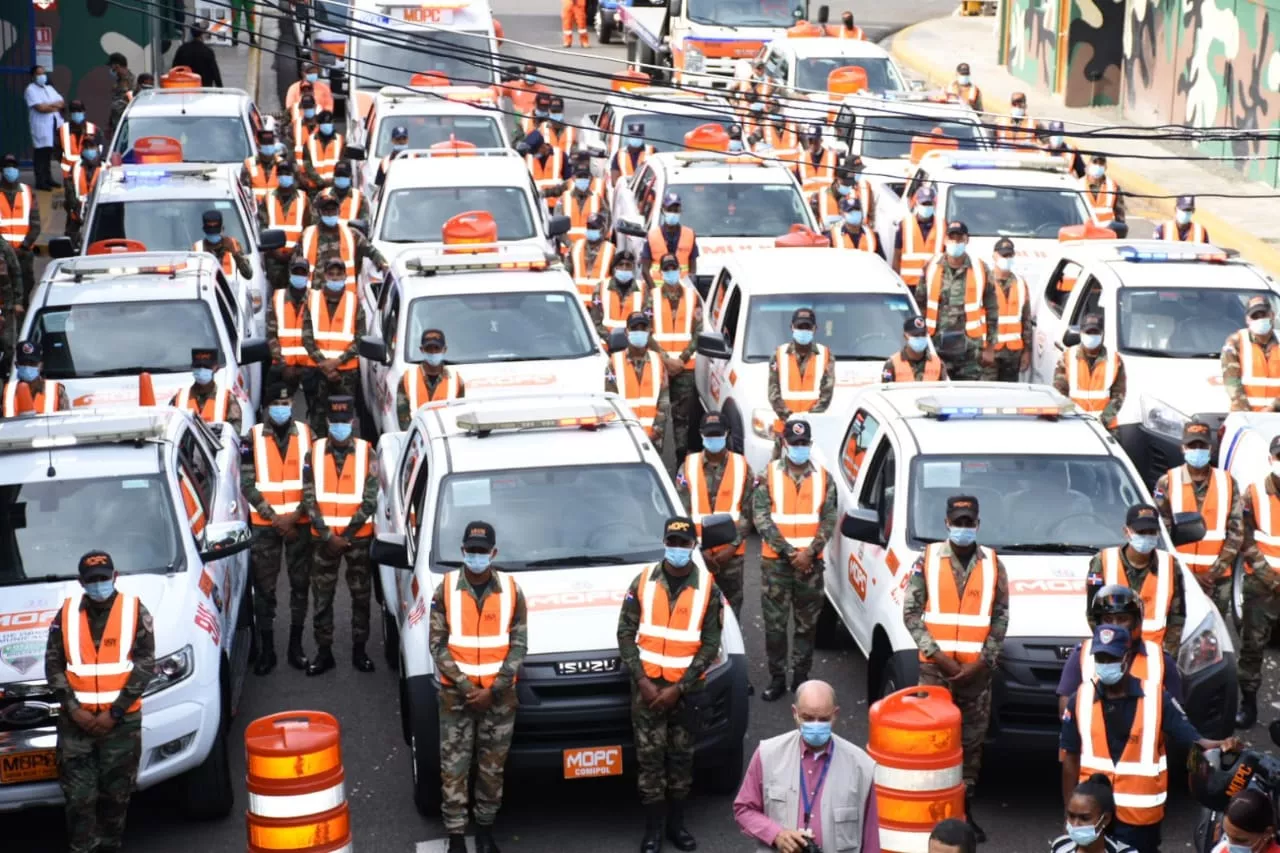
(591, 761)
(35, 766)
(421, 15)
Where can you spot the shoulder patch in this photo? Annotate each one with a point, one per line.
(1066, 713)
(886, 376)
(681, 479)
(917, 568)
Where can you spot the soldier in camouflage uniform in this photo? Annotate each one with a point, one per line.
(1261, 336)
(434, 374)
(1013, 357)
(665, 300)
(477, 709)
(328, 240)
(11, 190)
(1091, 352)
(219, 245)
(98, 750)
(968, 680)
(803, 351)
(351, 542)
(1213, 573)
(660, 686)
(121, 88)
(12, 306)
(618, 296)
(342, 191)
(791, 555)
(636, 357)
(288, 195)
(313, 178)
(340, 375)
(965, 353)
(1261, 588)
(297, 375)
(914, 362)
(277, 530)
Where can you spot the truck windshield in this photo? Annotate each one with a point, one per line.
(425, 131)
(172, 225)
(1181, 322)
(854, 326)
(665, 132)
(47, 525)
(533, 503)
(1014, 211)
(417, 215)
(811, 73)
(204, 139)
(391, 58)
(746, 13)
(1040, 503)
(742, 210)
(489, 328)
(122, 338)
(888, 137)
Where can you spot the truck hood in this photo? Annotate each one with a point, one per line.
(391, 250)
(123, 390)
(575, 610)
(713, 250)
(574, 374)
(1046, 592)
(1190, 385)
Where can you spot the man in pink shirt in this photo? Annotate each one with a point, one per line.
(821, 775)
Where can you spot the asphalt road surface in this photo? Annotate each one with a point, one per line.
(1018, 802)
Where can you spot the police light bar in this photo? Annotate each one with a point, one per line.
(128, 264)
(938, 96)
(452, 152)
(577, 417)
(1029, 404)
(80, 428)
(998, 160)
(715, 158)
(488, 257)
(1194, 253)
(143, 174)
(665, 94)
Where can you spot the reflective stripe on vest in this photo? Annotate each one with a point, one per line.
(226, 259)
(548, 174)
(814, 177)
(289, 328)
(1266, 512)
(975, 285)
(1009, 332)
(1090, 387)
(904, 372)
(213, 410)
(669, 637)
(279, 478)
(800, 389)
(417, 393)
(796, 510)
(959, 620)
(260, 180)
(44, 403)
(334, 334)
(290, 223)
(623, 159)
(641, 392)
(840, 239)
(325, 156)
(1259, 372)
(1156, 592)
(1170, 233)
(613, 312)
(658, 248)
(969, 94)
(72, 143)
(1019, 132)
(578, 210)
(561, 140)
(82, 186)
(917, 249)
(15, 217)
(728, 494)
(97, 674)
(349, 207)
(302, 133)
(588, 277)
(346, 249)
(339, 495)
(674, 332)
(1200, 556)
(479, 639)
(1102, 205)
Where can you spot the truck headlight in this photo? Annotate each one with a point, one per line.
(762, 422)
(694, 61)
(171, 670)
(1162, 419)
(722, 660)
(1203, 648)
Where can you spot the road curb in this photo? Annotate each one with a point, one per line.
(1252, 248)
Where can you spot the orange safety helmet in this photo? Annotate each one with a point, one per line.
(454, 147)
(801, 237)
(474, 227)
(157, 149)
(847, 80)
(1087, 231)
(629, 79)
(936, 140)
(707, 137)
(115, 246)
(181, 77)
(429, 78)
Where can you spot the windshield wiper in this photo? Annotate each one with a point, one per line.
(36, 579)
(579, 560)
(1048, 548)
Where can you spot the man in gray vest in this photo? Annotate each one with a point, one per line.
(821, 774)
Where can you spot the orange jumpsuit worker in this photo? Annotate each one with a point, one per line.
(571, 11)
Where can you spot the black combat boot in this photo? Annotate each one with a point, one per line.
(654, 814)
(676, 833)
(323, 662)
(457, 844)
(484, 839)
(777, 686)
(968, 817)
(359, 659)
(295, 656)
(798, 678)
(1248, 713)
(266, 653)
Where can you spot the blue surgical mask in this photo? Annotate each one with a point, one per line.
(77, 118)
(757, 107)
(341, 182)
(816, 733)
(334, 285)
(1183, 217)
(963, 79)
(340, 431)
(41, 79)
(736, 146)
(853, 217)
(624, 276)
(298, 282)
(714, 443)
(1260, 326)
(803, 337)
(634, 142)
(10, 174)
(28, 372)
(279, 415)
(678, 557)
(540, 113)
(1082, 836)
(267, 150)
(100, 590)
(1057, 141)
(668, 217)
(214, 238)
(329, 221)
(1097, 170)
(593, 235)
(918, 343)
(397, 147)
(202, 375)
(309, 113)
(285, 181)
(924, 211)
(1143, 543)
(962, 536)
(582, 184)
(311, 78)
(1004, 264)
(1239, 848)
(843, 189)
(956, 250)
(1109, 673)
(531, 79)
(435, 359)
(1197, 457)
(1017, 112)
(798, 454)
(1091, 342)
(671, 276)
(556, 117)
(326, 128)
(639, 339)
(477, 564)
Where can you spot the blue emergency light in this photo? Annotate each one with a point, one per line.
(1132, 254)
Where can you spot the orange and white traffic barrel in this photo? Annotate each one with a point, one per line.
(296, 784)
(919, 781)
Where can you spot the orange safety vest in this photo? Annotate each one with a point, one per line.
(1090, 388)
(279, 478)
(669, 637)
(658, 248)
(562, 140)
(800, 388)
(1201, 556)
(673, 330)
(780, 141)
(339, 495)
(479, 638)
(1259, 372)
(728, 498)
(1195, 233)
(588, 277)
(44, 403)
(289, 328)
(1141, 778)
(289, 222)
(83, 185)
(97, 674)
(625, 168)
(72, 143)
(335, 332)
(346, 250)
(191, 504)
(959, 620)
(855, 33)
(546, 174)
(969, 94)
(975, 312)
(1103, 203)
(1266, 519)
(1009, 332)
(302, 133)
(641, 391)
(902, 371)
(1016, 132)
(349, 207)
(325, 156)
(261, 181)
(1156, 592)
(829, 203)
(614, 312)
(814, 177)
(866, 242)
(1140, 666)
(213, 410)
(917, 249)
(15, 218)
(417, 393)
(796, 509)
(578, 210)
(227, 258)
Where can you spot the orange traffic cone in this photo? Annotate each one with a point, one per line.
(146, 393)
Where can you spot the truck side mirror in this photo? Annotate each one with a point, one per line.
(718, 530)
(558, 225)
(61, 247)
(862, 525)
(353, 152)
(630, 228)
(255, 351)
(1121, 229)
(617, 340)
(389, 549)
(1072, 337)
(372, 349)
(674, 8)
(1188, 527)
(271, 240)
(713, 345)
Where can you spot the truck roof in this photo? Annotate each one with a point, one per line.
(701, 167)
(812, 270)
(199, 102)
(998, 168)
(134, 277)
(807, 48)
(170, 180)
(500, 170)
(85, 427)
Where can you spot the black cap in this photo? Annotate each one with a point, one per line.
(957, 227)
(582, 170)
(1091, 323)
(542, 98)
(1275, 446)
(96, 565)
(76, 106)
(335, 263)
(635, 128)
(342, 409)
(284, 167)
(734, 131)
(804, 315)
(117, 59)
(1055, 126)
(962, 68)
(1257, 305)
(915, 326)
(324, 116)
(1186, 202)
(713, 424)
(342, 167)
(680, 528)
(624, 255)
(479, 534)
(637, 320)
(278, 392)
(28, 354)
(595, 220)
(797, 431)
(851, 202)
(1196, 431)
(962, 507)
(212, 221)
(399, 132)
(266, 134)
(299, 264)
(1004, 247)
(1098, 158)
(307, 100)
(325, 201)
(1142, 517)
(9, 160)
(926, 195)
(669, 262)
(433, 338)
(533, 141)
(204, 357)
(1018, 98)
(556, 100)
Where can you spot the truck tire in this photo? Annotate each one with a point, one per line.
(606, 26)
(423, 722)
(902, 669)
(207, 793)
(830, 633)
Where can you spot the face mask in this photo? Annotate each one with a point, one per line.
(1183, 217)
(77, 118)
(556, 117)
(214, 238)
(714, 443)
(671, 276)
(435, 359)
(963, 79)
(311, 78)
(639, 340)
(342, 183)
(28, 373)
(843, 189)
(624, 276)
(634, 142)
(334, 285)
(816, 733)
(678, 557)
(340, 432)
(1257, 326)
(90, 155)
(1091, 341)
(115, 75)
(667, 218)
(1082, 836)
(297, 282)
(1239, 848)
(1143, 543)
(326, 128)
(803, 337)
(285, 181)
(100, 590)
(1109, 673)
(477, 564)
(537, 113)
(41, 79)
(1096, 171)
(531, 79)
(329, 221)
(581, 184)
(593, 235)
(956, 250)
(918, 344)
(279, 415)
(962, 536)
(798, 454)
(10, 174)
(924, 211)
(267, 150)
(1057, 141)
(1004, 264)
(736, 146)
(1197, 457)
(308, 113)
(397, 147)
(1018, 112)
(202, 375)
(853, 217)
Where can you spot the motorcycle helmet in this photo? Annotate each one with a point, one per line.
(1214, 777)
(1112, 600)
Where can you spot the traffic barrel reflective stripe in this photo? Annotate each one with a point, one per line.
(915, 741)
(296, 784)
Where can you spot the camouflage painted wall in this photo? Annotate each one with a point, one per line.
(1031, 50)
(1096, 53)
(1206, 63)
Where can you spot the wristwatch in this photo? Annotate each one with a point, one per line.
(117, 713)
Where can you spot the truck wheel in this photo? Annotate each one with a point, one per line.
(606, 27)
(424, 746)
(390, 641)
(902, 669)
(831, 633)
(207, 793)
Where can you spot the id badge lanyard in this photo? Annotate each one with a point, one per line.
(807, 798)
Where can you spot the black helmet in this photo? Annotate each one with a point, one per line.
(1214, 777)
(1114, 599)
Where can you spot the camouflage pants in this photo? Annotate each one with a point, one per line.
(1006, 368)
(964, 368)
(469, 739)
(348, 384)
(785, 593)
(324, 584)
(9, 325)
(26, 262)
(1261, 607)
(974, 701)
(268, 547)
(1221, 597)
(729, 578)
(683, 396)
(664, 750)
(97, 775)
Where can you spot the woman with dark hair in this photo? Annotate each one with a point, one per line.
(1249, 824)
(1090, 812)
